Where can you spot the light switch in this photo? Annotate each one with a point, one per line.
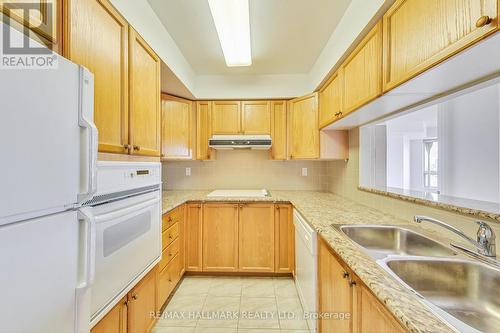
(188, 171)
(304, 172)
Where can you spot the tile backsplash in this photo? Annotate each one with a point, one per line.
(245, 169)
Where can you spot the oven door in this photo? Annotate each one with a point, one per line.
(128, 243)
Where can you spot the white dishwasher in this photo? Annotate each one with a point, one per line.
(306, 266)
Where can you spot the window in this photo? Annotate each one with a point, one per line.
(431, 164)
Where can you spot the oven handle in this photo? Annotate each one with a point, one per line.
(85, 215)
(126, 211)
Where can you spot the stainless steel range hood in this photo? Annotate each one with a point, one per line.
(260, 142)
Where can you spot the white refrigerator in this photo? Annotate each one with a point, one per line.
(47, 169)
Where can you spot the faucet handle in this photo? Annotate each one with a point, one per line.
(486, 238)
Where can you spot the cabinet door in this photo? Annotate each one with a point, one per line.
(362, 72)
(220, 237)
(256, 238)
(193, 238)
(98, 40)
(304, 130)
(284, 244)
(256, 117)
(372, 316)
(420, 34)
(177, 128)
(226, 117)
(115, 321)
(141, 303)
(44, 18)
(330, 100)
(203, 130)
(144, 74)
(334, 292)
(278, 130)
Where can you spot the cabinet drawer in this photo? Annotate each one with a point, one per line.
(168, 278)
(172, 217)
(168, 253)
(169, 235)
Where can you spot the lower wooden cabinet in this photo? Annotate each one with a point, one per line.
(220, 237)
(142, 304)
(256, 237)
(284, 239)
(352, 306)
(193, 236)
(115, 321)
(168, 279)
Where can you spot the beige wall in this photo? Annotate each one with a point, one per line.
(244, 169)
(344, 178)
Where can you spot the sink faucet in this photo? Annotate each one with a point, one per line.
(485, 243)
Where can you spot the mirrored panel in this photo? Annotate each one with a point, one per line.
(447, 152)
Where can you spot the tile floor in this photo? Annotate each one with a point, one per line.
(233, 304)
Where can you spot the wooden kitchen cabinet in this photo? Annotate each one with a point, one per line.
(177, 128)
(203, 130)
(341, 292)
(303, 127)
(256, 237)
(193, 237)
(44, 20)
(278, 130)
(330, 99)
(362, 72)
(256, 117)
(284, 242)
(420, 34)
(144, 97)
(334, 292)
(97, 38)
(220, 237)
(371, 315)
(142, 303)
(115, 321)
(226, 117)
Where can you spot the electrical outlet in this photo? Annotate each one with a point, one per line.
(304, 172)
(188, 171)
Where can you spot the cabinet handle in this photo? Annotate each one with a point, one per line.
(483, 21)
(170, 254)
(345, 275)
(170, 219)
(352, 283)
(126, 146)
(135, 297)
(170, 236)
(137, 148)
(278, 207)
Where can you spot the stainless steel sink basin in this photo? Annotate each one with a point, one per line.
(381, 241)
(469, 291)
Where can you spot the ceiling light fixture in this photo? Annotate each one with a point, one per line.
(232, 21)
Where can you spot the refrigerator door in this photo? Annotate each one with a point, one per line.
(45, 274)
(49, 141)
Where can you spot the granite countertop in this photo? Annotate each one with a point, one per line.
(321, 209)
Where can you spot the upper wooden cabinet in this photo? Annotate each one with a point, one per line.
(330, 100)
(220, 237)
(177, 130)
(278, 130)
(303, 127)
(144, 97)
(284, 241)
(419, 34)
(362, 72)
(226, 117)
(203, 130)
(97, 38)
(256, 237)
(256, 117)
(44, 19)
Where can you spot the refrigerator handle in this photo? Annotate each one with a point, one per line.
(89, 151)
(87, 270)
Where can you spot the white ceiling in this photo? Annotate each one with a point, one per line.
(287, 35)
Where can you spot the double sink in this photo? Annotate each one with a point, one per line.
(464, 292)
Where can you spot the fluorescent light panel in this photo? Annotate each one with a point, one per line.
(232, 21)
